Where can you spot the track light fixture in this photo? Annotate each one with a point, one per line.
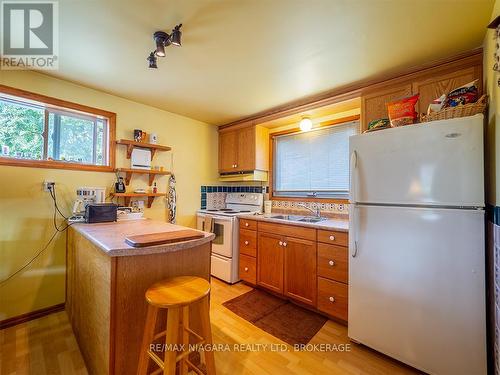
(152, 61)
(162, 40)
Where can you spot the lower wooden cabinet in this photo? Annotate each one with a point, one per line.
(332, 262)
(332, 298)
(303, 264)
(248, 269)
(270, 261)
(300, 269)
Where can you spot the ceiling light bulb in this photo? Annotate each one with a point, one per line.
(305, 124)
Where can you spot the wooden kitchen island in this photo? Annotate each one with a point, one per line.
(106, 282)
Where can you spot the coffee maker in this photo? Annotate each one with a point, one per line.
(85, 196)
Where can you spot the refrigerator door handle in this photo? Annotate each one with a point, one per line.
(355, 252)
(352, 167)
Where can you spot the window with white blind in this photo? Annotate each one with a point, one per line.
(314, 163)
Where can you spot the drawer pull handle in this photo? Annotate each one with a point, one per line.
(332, 238)
(332, 299)
(284, 244)
(246, 269)
(246, 242)
(331, 263)
(281, 243)
(246, 224)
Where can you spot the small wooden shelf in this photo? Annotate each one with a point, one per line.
(132, 144)
(151, 196)
(151, 172)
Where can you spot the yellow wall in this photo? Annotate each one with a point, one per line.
(493, 129)
(26, 211)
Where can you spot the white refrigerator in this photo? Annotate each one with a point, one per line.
(417, 245)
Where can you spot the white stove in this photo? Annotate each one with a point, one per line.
(223, 223)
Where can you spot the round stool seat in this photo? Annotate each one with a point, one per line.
(177, 291)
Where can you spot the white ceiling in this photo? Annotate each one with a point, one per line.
(244, 56)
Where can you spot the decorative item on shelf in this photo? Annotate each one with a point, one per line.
(137, 135)
(144, 136)
(140, 191)
(120, 185)
(155, 189)
(162, 40)
(172, 200)
(153, 138)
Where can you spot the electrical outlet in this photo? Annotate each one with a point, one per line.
(47, 185)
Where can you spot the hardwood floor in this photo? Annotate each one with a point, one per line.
(47, 346)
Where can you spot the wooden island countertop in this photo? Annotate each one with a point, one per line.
(110, 237)
(106, 282)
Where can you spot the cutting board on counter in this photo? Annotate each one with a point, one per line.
(153, 239)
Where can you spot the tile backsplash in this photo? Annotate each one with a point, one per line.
(294, 207)
(215, 199)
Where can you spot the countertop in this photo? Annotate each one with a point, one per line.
(110, 237)
(341, 225)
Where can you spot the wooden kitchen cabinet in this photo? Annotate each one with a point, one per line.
(332, 298)
(333, 262)
(270, 258)
(433, 87)
(228, 150)
(374, 104)
(300, 269)
(430, 83)
(244, 149)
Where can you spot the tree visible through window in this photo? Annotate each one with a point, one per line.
(33, 131)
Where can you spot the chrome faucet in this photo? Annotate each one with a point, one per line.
(316, 211)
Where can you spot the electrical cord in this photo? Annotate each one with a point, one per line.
(57, 230)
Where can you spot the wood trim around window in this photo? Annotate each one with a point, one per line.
(59, 103)
(339, 121)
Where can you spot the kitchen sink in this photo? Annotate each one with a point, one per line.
(303, 219)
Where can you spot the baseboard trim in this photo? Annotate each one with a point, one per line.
(30, 316)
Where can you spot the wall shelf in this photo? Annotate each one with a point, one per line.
(151, 172)
(128, 196)
(133, 144)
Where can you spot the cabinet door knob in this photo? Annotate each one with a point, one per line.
(246, 242)
(332, 299)
(281, 243)
(331, 263)
(246, 224)
(284, 244)
(332, 238)
(246, 269)
(236, 165)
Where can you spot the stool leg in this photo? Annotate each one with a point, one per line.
(147, 339)
(171, 340)
(206, 332)
(185, 338)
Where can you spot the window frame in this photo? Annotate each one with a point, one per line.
(272, 153)
(59, 105)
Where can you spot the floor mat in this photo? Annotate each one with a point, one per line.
(282, 319)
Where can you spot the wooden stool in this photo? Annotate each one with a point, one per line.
(176, 295)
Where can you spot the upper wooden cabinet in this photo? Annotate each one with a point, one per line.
(244, 149)
(430, 83)
(374, 105)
